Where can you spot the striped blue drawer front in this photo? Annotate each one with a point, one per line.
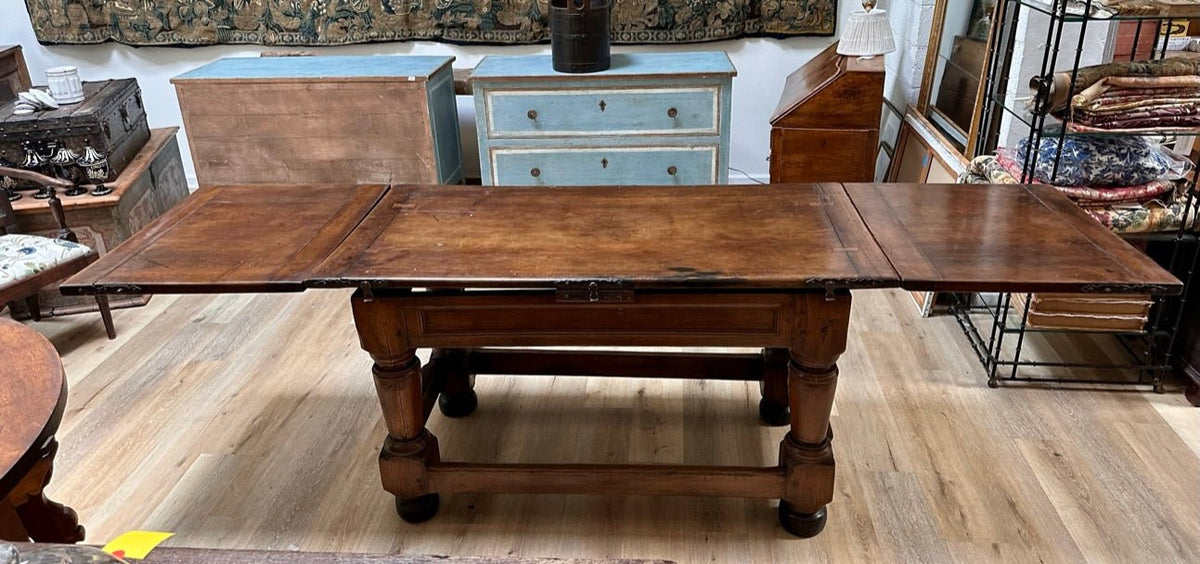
(604, 166)
(602, 111)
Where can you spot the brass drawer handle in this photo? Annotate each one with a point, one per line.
(671, 170)
(535, 172)
(532, 114)
(672, 112)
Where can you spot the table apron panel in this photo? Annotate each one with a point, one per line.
(656, 319)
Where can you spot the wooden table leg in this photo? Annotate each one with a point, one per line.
(806, 452)
(773, 407)
(409, 448)
(457, 397)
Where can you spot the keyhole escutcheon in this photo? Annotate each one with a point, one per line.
(603, 105)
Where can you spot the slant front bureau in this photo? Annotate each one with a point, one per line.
(458, 268)
(651, 119)
(295, 120)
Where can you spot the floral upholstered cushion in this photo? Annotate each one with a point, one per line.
(1089, 160)
(22, 256)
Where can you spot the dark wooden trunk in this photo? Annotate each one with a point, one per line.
(111, 118)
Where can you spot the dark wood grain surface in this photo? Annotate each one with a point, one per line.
(782, 237)
(1003, 238)
(258, 238)
(936, 237)
(31, 384)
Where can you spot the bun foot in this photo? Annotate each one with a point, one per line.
(418, 509)
(773, 414)
(458, 405)
(803, 525)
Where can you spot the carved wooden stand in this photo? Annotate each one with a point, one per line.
(804, 334)
(25, 511)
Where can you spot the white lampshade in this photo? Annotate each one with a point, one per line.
(868, 34)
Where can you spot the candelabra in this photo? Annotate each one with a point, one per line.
(63, 160)
(35, 162)
(7, 183)
(95, 165)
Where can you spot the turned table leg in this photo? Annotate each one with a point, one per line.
(409, 448)
(773, 407)
(806, 452)
(457, 398)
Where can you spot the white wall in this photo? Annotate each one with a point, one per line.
(911, 21)
(762, 65)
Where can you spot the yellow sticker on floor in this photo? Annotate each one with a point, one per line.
(136, 544)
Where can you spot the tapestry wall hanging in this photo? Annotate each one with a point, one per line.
(338, 22)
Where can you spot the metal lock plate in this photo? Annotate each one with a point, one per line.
(593, 292)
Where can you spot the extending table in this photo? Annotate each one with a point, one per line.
(460, 268)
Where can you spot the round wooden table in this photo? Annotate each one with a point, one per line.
(33, 392)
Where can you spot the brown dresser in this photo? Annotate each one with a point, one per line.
(826, 127)
(336, 119)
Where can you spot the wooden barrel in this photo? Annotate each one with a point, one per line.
(579, 35)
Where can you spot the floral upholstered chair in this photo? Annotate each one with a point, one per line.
(29, 263)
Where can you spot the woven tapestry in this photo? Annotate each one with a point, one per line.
(338, 22)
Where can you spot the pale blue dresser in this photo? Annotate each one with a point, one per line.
(650, 119)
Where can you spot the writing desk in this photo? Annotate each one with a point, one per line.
(457, 268)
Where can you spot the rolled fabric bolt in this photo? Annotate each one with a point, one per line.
(1055, 91)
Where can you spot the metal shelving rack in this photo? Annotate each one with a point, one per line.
(997, 328)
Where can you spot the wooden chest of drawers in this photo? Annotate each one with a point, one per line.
(650, 119)
(298, 120)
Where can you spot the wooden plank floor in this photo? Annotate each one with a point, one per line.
(251, 422)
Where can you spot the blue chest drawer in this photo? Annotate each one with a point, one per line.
(604, 166)
(650, 119)
(584, 112)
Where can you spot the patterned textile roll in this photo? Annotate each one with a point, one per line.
(1153, 217)
(1148, 217)
(1055, 92)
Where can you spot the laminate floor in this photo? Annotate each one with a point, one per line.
(251, 422)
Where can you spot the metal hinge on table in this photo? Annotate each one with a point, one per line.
(593, 292)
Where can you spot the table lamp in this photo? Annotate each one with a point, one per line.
(868, 33)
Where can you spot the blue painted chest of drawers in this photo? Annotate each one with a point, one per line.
(650, 119)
